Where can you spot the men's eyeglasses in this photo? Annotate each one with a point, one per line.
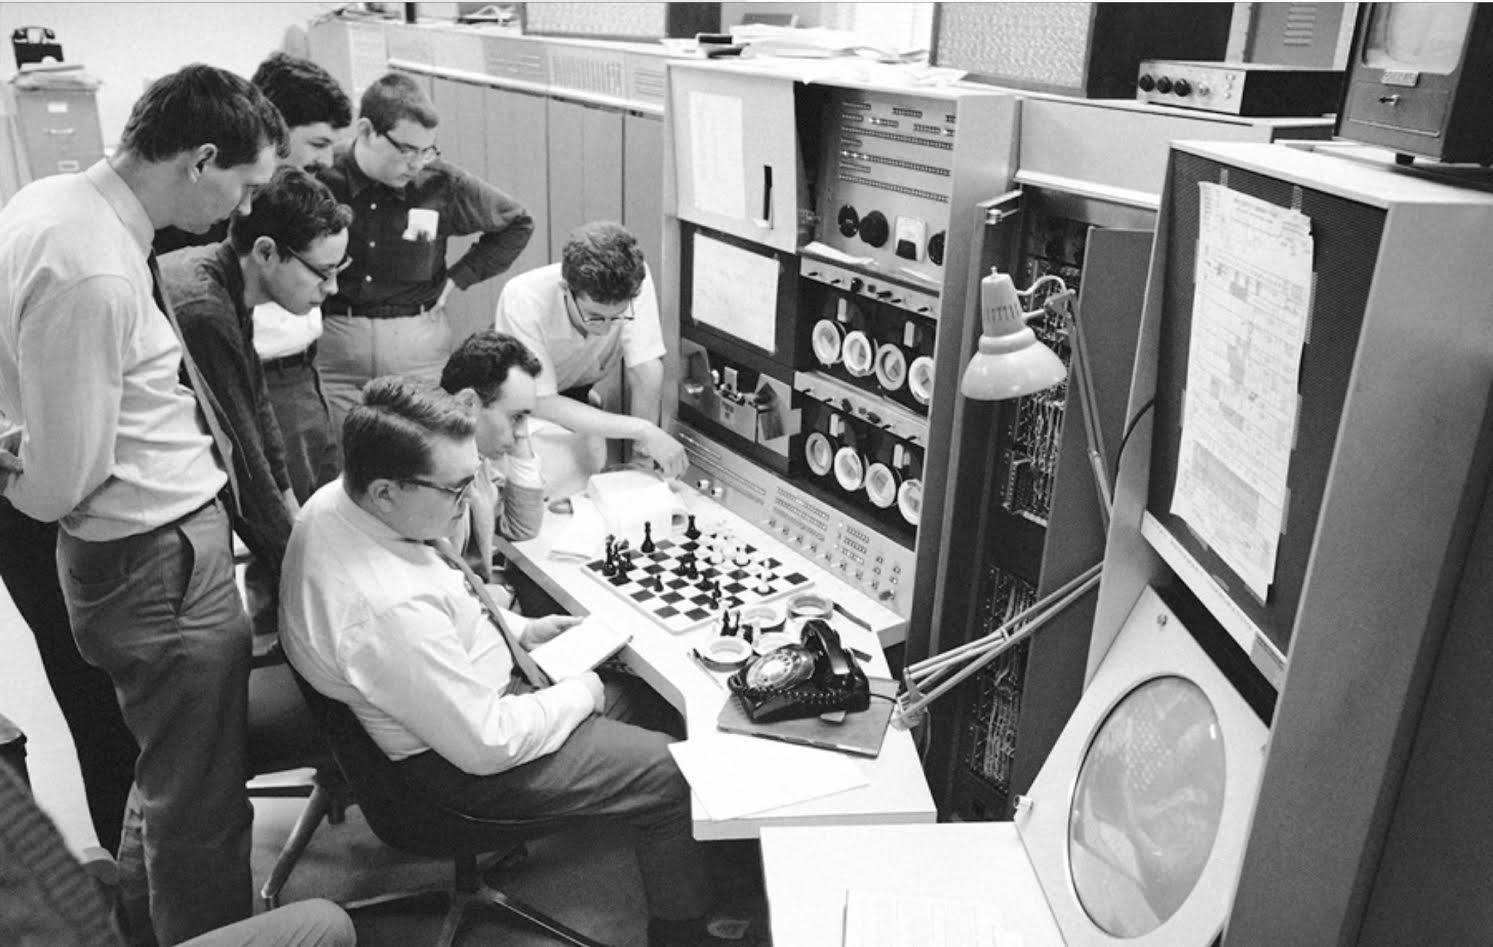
(601, 318)
(409, 152)
(324, 274)
(462, 491)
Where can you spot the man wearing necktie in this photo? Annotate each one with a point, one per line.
(122, 444)
(377, 611)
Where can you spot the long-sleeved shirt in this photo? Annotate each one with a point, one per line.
(206, 288)
(507, 498)
(382, 624)
(89, 364)
(395, 270)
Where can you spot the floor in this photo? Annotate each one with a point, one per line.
(586, 880)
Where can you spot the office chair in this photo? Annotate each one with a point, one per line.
(402, 818)
(284, 736)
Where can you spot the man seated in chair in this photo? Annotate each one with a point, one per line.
(374, 614)
(492, 376)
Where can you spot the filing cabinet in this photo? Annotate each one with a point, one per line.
(59, 130)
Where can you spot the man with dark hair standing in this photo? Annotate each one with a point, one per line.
(289, 252)
(123, 454)
(376, 613)
(388, 316)
(317, 114)
(591, 318)
(492, 376)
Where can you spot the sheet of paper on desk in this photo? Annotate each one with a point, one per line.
(887, 919)
(579, 648)
(735, 776)
(578, 537)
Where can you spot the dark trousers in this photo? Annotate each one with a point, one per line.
(160, 613)
(305, 426)
(615, 766)
(106, 750)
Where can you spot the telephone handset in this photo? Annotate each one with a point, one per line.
(816, 677)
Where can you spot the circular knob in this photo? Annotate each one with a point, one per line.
(1145, 82)
(935, 248)
(717, 492)
(856, 283)
(874, 228)
(1204, 90)
(1163, 85)
(886, 594)
(849, 221)
(703, 484)
(1182, 87)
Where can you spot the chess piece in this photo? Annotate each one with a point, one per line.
(726, 629)
(741, 558)
(715, 597)
(692, 531)
(647, 545)
(763, 586)
(609, 564)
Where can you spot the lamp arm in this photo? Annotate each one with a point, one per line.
(911, 710)
(921, 669)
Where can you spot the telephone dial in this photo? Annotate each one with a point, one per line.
(816, 677)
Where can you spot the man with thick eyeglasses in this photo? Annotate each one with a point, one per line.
(592, 320)
(388, 315)
(288, 252)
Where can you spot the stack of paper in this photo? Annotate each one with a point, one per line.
(735, 776)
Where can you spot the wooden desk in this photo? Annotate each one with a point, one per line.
(808, 870)
(898, 791)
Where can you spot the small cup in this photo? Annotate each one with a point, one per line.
(810, 605)
(859, 354)
(891, 366)
(828, 338)
(882, 484)
(819, 453)
(850, 469)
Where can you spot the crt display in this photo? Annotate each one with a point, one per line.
(1146, 806)
(1421, 37)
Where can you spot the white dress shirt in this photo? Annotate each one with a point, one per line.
(382, 624)
(531, 308)
(88, 363)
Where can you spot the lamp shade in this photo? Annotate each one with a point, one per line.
(1011, 362)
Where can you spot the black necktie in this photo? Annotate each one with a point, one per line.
(206, 403)
(521, 659)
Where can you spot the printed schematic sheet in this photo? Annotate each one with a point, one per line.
(1250, 312)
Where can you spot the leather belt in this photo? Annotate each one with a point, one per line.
(382, 311)
(305, 357)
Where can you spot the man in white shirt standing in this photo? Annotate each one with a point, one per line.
(122, 453)
(375, 617)
(583, 317)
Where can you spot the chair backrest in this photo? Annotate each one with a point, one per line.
(398, 813)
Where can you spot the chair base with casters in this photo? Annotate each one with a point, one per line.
(470, 893)
(403, 818)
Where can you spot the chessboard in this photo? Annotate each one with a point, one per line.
(655, 583)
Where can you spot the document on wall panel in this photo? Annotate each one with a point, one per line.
(1250, 312)
(735, 291)
(716, 158)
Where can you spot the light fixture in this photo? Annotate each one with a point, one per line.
(1011, 363)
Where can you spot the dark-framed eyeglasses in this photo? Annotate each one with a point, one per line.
(324, 274)
(409, 152)
(625, 314)
(462, 491)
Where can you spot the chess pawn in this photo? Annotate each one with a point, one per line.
(692, 531)
(647, 545)
(740, 557)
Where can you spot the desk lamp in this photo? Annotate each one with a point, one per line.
(1012, 362)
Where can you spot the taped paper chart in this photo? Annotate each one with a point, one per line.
(1250, 313)
(716, 169)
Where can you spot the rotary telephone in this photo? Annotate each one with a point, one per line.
(816, 677)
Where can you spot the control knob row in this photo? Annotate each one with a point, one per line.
(1165, 85)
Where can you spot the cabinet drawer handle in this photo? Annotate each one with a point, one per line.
(1389, 99)
(59, 131)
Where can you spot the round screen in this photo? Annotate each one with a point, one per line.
(1146, 806)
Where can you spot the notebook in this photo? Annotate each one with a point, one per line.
(859, 733)
(579, 648)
